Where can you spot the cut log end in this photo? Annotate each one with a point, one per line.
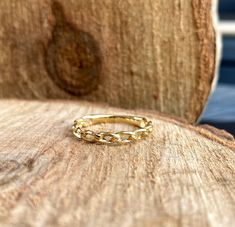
(157, 55)
(180, 174)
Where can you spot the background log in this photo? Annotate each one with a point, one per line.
(180, 176)
(152, 54)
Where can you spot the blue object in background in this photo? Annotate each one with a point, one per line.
(227, 9)
(227, 70)
(220, 111)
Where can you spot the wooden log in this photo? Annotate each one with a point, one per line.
(181, 175)
(154, 54)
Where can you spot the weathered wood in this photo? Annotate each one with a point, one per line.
(154, 54)
(180, 176)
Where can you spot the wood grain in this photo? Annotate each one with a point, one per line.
(154, 54)
(181, 175)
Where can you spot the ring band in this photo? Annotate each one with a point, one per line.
(113, 138)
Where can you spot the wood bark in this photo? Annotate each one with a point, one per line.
(179, 176)
(154, 54)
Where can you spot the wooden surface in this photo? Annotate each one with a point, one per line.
(154, 54)
(180, 176)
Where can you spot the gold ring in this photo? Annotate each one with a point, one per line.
(145, 127)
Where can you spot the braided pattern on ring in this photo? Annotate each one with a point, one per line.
(122, 137)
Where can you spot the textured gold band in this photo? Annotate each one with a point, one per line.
(113, 138)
